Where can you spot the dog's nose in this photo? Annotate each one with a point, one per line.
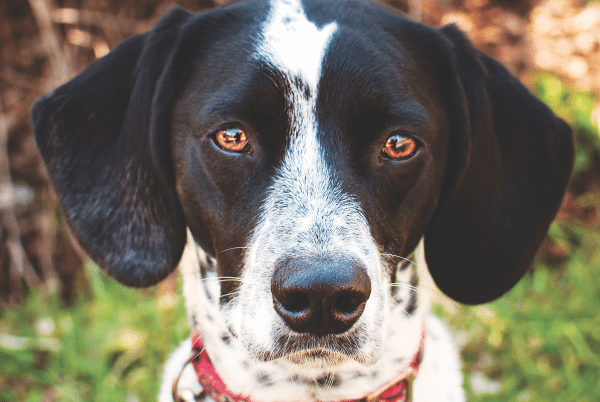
(320, 297)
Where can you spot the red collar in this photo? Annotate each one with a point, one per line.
(397, 391)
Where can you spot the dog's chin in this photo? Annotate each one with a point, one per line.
(316, 358)
(317, 352)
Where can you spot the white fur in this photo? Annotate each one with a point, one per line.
(440, 377)
(188, 383)
(293, 44)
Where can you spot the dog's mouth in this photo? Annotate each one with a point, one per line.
(316, 358)
(312, 351)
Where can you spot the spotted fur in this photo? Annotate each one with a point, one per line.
(282, 381)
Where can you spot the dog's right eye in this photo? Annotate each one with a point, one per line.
(233, 139)
(399, 147)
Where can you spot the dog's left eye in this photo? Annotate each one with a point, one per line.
(399, 147)
(233, 139)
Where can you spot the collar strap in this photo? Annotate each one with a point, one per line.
(399, 390)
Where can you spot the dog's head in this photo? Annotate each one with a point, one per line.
(308, 147)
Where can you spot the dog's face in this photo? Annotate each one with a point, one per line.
(312, 172)
(309, 147)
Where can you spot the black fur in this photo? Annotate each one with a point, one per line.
(515, 162)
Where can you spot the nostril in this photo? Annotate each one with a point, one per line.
(349, 304)
(295, 302)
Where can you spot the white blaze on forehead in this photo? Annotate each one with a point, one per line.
(305, 213)
(296, 47)
(294, 44)
(303, 191)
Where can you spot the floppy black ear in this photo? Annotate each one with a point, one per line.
(510, 164)
(105, 139)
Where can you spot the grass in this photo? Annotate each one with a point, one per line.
(540, 342)
(109, 345)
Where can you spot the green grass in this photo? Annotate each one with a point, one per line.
(109, 345)
(575, 107)
(540, 342)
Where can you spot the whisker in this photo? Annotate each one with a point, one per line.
(233, 248)
(399, 304)
(216, 278)
(412, 287)
(232, 293)
(399, 256)
(405, 285)
(419, 289)
(222, 279)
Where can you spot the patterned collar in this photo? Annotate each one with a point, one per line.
(399, 390)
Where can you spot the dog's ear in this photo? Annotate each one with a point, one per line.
(105, 139)
(510, 162)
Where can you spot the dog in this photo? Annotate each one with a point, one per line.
(327, 164)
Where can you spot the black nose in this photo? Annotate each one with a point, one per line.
(320, 297)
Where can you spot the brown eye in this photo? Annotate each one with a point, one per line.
(233, 139)
(399, 147)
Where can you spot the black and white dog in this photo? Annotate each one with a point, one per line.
(326, 158)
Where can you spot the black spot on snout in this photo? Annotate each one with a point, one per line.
(329, 381)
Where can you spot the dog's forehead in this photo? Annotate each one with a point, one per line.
(344, 69)
(299, 62)
(293, 44)
(303, 43)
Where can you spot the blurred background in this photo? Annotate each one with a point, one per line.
(69, 333)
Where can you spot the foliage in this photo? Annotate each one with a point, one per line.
(110, 345)
(576, 108)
